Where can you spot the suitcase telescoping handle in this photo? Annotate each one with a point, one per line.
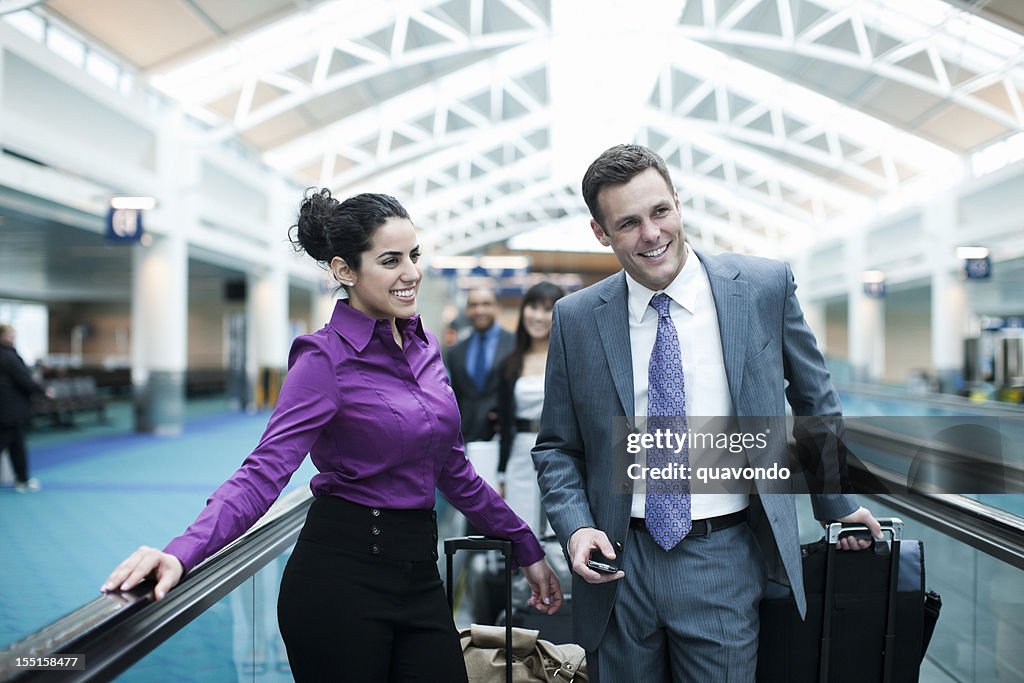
(833, 531)
(478, 543)
(893, 525)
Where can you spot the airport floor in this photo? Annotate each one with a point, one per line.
(107, 490)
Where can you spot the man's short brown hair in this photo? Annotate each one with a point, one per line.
(616, 166)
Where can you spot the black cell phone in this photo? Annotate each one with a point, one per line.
(601, 564)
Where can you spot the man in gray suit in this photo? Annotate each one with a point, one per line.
(728, 337)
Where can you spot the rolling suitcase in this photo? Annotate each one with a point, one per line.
(533, 659)
(868, 616)
(478, 543)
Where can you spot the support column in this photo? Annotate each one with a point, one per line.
(866, 318)
(269, 335)
(814, 309)
(814, 314)
(867, 336)
(159, 309)
(160, 333)
(950, 310)
(322, 303)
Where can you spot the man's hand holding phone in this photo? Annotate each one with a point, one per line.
(601, 564)
(594, 557)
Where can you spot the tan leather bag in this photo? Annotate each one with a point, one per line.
(533, 660)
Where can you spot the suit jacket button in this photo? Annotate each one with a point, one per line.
(628, 488)
(375, 530)
(375, 549)
(375, 512)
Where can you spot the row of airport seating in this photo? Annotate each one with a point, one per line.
(69, 396)
(78, 393)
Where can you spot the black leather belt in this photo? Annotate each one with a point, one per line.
(527, 425)
(701, 527)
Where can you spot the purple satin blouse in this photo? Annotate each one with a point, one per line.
(381, 425)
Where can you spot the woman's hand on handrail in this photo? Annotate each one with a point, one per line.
(141, 564)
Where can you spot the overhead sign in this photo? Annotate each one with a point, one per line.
(978, 268)
(124, 225)
(875, 290)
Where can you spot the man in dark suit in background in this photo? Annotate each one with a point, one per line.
(473, 366)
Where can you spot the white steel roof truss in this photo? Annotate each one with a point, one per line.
(272, 63)
(706, 138)
(411, 105)
(362, 73)
(460, 142)
(499, 138)
(281, 46)
(917, 36)
(698, 181)
(506, 205)
(533, 166)
(799, 104)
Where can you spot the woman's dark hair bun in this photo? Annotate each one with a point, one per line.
(311, 234)
(327, 228)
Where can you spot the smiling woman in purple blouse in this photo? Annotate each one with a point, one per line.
(368, 398)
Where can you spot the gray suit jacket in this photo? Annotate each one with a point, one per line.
(765, 343)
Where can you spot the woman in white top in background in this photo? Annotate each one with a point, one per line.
(520, 399)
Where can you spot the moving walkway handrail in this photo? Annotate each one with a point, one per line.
(992, 531)
(116, 630)
(995, 532)
(951, 401)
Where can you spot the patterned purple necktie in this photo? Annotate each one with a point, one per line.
(668, 500)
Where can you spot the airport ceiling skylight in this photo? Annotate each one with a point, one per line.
(782, 120)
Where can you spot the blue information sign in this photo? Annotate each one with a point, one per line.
(124, 225)
(875, 290)
(978, 268)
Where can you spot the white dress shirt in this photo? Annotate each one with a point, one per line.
(707, 388)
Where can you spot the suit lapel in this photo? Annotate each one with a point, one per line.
(730, 297)
(613, 327)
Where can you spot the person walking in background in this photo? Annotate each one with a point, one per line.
(473, 366)
(16, 391)
(368, 398)
(520, 400)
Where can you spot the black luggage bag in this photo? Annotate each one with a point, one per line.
(868, 616)
(454, 545)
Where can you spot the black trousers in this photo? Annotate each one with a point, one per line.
(12, 438)
(361, 599)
